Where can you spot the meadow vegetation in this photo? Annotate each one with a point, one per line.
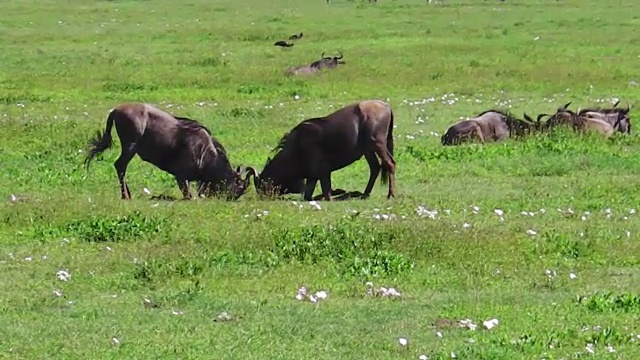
(540, 234)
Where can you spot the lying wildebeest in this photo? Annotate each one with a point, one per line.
(325, 62)
(328, 62)
(318, 146)
(489, 125)
(177, 145)
(295, 37)
(566, 117)
(618, 118)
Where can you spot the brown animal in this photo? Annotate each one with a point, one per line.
(318, 146)
(489, 125)
(328, 62)
(616, 117)
(566, 117)
(324, 62)
(177, 145)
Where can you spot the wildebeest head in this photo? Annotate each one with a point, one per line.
(278, 177)
(328, 62)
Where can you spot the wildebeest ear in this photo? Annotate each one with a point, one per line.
(527, 117)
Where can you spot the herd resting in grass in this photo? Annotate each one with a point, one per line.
(312, 150)
(496, 125)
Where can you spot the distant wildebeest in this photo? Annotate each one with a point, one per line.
(435, 1)
(618, 118)
(328, 62)
(489, 125)
(295, 36)
(180, 146)
(566, 117)
(282, 43)
(318, 146)
(324, 62)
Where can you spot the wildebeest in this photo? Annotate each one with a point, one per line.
(324, 62)
(328, 62)
(618, 118)
(566, 117)
(180, 146)
(283, 43)
(295, 37)
(489, 125)
(318, 146)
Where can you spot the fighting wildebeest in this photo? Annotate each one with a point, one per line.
(618, 118)
(180, 146)
(318, 146)
(489, 125)
(295, 36)
(566, 117)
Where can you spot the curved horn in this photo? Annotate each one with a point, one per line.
(250, 170)
(541, 116)
(527, 117)
(322, 56)
(566, 105)
(616, 104)
(339, 57)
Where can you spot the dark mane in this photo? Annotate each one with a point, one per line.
(190, 124)
(505, 113)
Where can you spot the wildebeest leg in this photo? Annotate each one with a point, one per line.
(389, 164)
(126, 154)
(184, 187)
(309, 187)
(325, 184)
(374, 171)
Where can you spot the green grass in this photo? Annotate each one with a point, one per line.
(64, 65)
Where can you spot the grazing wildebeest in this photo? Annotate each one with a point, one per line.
(180, 146)
(566, 117)
(488, 125)
(295, 37)
(616, 117)
(318, 146)
(283, 43)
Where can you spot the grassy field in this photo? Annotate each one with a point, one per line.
(540, 234)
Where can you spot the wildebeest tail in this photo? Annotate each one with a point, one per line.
(101, 142)
(384, 174)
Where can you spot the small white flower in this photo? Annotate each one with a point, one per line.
(490, 324)
(531, 232)
(572, 276)
(321, 294)
(315, 204)
(438, 334)
(403, 341)
(610, 349)
(498, 212)
(466, 225)
(147, 191)
(177, 312)
(115, 341)
(590, 348)
(423, 357)
(63, 275)
(57, 293)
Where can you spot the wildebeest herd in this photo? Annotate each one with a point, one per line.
(312, 150)
(496, 125)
